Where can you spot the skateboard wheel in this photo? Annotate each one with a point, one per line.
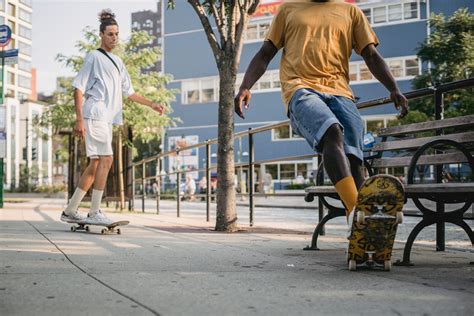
(360, 217)
(352, 265)
(119, 231)
(387, 265)
(399, 217)
(87, 228)
(103, 231)
(73, 228)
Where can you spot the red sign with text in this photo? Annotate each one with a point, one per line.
(270, 7)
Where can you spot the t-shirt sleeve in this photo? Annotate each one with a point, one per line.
(276, 32)
(127, 88)
(362, 32)
(84, 75)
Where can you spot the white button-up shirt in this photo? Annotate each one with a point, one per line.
(103, 87)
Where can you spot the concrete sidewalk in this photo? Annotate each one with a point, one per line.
(164, 265)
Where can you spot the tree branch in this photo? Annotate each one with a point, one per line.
(211, 37)
(218, 19)
(231, 27)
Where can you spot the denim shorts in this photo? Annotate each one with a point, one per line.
(312, 113)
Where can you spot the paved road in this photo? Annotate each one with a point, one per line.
(164, 265)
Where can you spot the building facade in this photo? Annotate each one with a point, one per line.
(152, 23)
(401, 25)
(28, 154)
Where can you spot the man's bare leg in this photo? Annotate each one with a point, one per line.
(105, 162)
(357, 170)
(85, 182)
(338, 167)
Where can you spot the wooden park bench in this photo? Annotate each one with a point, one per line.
(433, 143)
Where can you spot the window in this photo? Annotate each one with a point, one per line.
(24, 65)
(257, 31)
(287, 171)
(392, 12)
(368, 14)
(24, 82)
(410, 10)
(11, 9)
(353, 72)
(281, 132)
(302, 169)
(380, 15)
(136, 26)
(11, 78)
(199, 90)
(252, 32)
(27, 2)
(24, 48)
(284, 133)
(273, 170)
(207, 89)
(192, 92)
(412, 67)
(25, 32)
(12, 44)
(25, 15)
(12, 24)
(403, 67)
(396, 68)
(2, 5)
(364, 72)
(265, 82)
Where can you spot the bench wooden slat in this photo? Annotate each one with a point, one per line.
(427, 126)
(435, 188)
(423, 160)
(440, 188)
(418, 142)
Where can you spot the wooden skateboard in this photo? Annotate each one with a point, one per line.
(112, 228)
(378, 213)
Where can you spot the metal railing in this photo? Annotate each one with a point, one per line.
(437, 92)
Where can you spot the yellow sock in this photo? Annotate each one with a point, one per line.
(347, 191)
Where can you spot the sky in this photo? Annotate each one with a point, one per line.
(58, 25)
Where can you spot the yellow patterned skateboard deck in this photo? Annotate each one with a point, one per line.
(378, 213)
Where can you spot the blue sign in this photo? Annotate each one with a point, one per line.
(9, 53)
(5, 35)
(369, 140)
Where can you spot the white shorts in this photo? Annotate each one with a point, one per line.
(98, 138)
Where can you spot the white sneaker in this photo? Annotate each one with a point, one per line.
(98, 219)
(76, 217)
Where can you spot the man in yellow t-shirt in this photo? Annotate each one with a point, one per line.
(317, 38)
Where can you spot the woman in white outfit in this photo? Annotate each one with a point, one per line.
(99, 88)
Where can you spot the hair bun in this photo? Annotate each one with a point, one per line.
(106, 14)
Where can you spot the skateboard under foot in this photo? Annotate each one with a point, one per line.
(112, 228)
(378, 213)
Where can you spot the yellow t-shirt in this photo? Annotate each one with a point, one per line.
(317, 40)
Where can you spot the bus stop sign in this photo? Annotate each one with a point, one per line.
(5, 35)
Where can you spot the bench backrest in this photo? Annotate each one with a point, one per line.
(402, 141)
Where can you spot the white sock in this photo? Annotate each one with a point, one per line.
(74, 202)
(95, 201)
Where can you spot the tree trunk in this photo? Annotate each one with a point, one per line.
(226, 217)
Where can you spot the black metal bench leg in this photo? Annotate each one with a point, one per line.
(467, 229)
(411, 239)
(320, 228)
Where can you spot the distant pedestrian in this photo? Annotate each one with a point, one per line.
(101, 83)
